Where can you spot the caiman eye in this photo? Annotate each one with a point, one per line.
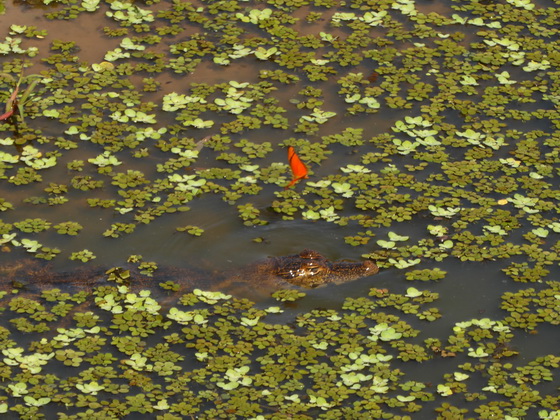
(313, 269)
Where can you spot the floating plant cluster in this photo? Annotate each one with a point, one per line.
(113, 352)
(444, 116)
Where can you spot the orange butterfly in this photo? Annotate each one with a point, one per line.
(299, 170)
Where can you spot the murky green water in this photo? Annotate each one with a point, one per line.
(430, 130)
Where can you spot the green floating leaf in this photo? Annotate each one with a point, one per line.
(540, 232)
(386, 244)
(459, 376)
(413, 292)
(444, 390)
(36, 402)
(395, 237)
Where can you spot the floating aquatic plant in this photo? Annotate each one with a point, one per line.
(469, 143)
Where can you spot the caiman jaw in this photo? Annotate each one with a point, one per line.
(341, 272)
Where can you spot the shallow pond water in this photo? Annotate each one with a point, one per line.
(156, 137)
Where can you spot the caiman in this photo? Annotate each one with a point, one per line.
(308, 269)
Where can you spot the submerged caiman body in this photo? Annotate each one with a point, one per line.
(308, 269)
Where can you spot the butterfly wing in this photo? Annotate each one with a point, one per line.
(298, 167)
(299, 170)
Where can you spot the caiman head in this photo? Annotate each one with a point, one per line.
(310, 269)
